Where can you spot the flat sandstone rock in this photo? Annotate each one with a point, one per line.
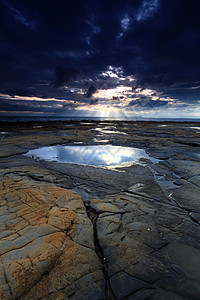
(70, 231)
(38, 257)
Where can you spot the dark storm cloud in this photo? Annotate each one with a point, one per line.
(10, 104)
(92, 89)
(18, 106)
(19, 92)
(156, 41)
(147, 102)
(94, 101)
(64, 75)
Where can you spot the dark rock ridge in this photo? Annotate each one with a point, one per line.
(70, 231)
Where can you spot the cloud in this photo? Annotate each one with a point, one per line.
(147, 9)
(64, 75)
(92, 90)
(94, 101)
(19, 92)
(148, 103)
(35, 104)
(148, 44)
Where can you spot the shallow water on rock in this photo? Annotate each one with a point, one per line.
(197, 128)
(98, 155)
(96, 140)
(107, 131)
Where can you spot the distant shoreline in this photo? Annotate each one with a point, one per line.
(58, 118)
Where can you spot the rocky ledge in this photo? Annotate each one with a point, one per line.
(70, 231)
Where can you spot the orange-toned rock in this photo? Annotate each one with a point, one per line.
(74, 265)
(38, 257)
(61, 218)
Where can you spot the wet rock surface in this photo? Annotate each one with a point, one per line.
(70, 231)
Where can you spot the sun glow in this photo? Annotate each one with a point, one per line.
(104, 111)
(110, 112)
(110, 93)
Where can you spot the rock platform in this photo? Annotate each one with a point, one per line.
(70, 231)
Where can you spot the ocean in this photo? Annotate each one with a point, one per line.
(81, 118)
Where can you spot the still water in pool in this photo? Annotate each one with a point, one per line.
(97, 155)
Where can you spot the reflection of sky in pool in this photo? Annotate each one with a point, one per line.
(98, 155)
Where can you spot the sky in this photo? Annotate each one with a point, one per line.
(104, 58)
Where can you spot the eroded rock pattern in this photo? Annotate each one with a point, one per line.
(78, 232)
(36, 222)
